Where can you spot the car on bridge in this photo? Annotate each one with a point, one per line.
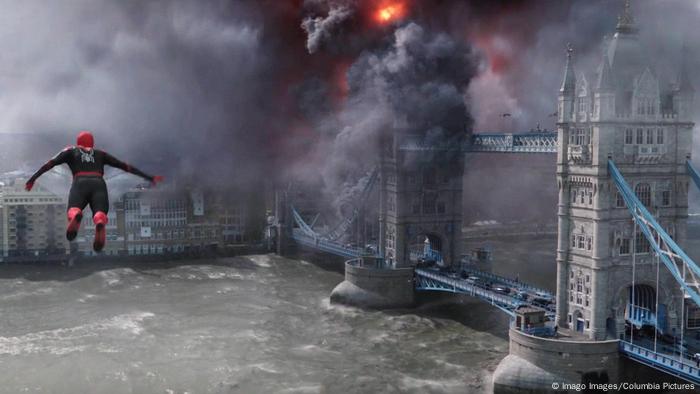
(501, 289)
(544, 295)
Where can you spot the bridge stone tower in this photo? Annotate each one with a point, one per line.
(623, 111)
(420, 197)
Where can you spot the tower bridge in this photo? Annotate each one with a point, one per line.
(623, 148)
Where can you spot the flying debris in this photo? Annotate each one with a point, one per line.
(506, 115)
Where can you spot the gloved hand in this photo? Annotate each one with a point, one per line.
(156, 179)
(28, 186)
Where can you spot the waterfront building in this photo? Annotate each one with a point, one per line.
(155, 221)
(32, 223)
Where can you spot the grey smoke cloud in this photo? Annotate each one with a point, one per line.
(321, 30)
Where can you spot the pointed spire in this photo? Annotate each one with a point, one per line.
(569, 84)
(605, 82)
(625, 22)
(684, 83)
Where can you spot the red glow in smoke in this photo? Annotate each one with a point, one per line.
(340, 80)
(499, 59)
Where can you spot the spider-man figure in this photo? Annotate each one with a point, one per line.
(87, 165)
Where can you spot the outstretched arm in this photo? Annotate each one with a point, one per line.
(60, 158)
(114, 162)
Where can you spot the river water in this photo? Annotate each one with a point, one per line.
(254, 324)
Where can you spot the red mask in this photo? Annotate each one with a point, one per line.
(85, 140)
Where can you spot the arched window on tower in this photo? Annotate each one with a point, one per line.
(643, 192)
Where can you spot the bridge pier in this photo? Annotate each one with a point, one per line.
(370, 284)
(535, 364)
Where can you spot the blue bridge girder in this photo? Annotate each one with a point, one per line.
(531, 142)
(683, 269)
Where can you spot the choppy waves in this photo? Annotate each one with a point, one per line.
(72, 339)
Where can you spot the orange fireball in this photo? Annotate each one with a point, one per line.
(390, 12)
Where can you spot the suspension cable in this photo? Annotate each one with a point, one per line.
(682, 315)
(634, 263)
(656, 326)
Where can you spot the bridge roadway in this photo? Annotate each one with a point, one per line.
(434, 280)
(533, 291)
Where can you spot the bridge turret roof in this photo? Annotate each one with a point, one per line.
(569, 83)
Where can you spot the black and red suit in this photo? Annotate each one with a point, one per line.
(87, 165)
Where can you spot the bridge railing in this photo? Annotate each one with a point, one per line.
(530, 142)
(545, 331)
(683, 368)
(513, 143)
